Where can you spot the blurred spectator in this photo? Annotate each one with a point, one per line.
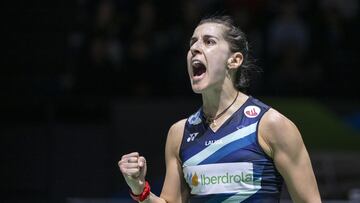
(338, 43)
(288, 46)
(299, 44)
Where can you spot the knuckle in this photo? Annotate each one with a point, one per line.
(121, 162)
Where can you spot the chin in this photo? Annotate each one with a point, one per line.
(198, 89)
(200, 86)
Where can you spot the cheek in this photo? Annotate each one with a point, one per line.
(188, 61)
(188, 55)
(218, 63)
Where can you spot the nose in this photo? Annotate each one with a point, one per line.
(195, 49)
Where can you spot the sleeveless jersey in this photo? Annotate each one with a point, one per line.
(229, 165)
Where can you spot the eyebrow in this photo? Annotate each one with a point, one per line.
(194, 39)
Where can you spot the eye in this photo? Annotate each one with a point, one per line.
(209, 42)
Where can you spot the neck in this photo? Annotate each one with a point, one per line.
(216, 101)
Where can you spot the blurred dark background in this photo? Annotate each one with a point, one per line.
(83, 82)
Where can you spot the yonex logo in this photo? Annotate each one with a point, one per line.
(191, 137)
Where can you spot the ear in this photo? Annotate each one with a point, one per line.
(235, 60)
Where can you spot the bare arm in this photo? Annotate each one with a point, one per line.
(174, 189)
(282, 141)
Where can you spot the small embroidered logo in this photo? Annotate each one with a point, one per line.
(252, 111)
(191, 137)
(195, 118)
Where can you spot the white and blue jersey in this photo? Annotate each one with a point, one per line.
(229, 165)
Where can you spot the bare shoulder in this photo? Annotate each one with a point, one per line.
(277, 131)
(177, 129)
(175, 135)
(274, 121)
(178, 126)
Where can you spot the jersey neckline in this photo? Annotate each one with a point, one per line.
(207, 126)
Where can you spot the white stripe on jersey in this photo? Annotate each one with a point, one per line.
(211, 149)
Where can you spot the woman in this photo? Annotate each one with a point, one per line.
(234, 148)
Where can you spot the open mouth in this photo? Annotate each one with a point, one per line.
(198, 68)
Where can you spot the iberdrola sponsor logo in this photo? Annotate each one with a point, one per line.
(220, 178)
(227, 178)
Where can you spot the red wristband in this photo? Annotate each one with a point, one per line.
(141, 197)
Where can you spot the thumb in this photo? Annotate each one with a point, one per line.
(143, 167)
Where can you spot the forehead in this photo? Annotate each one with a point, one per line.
(213, 29)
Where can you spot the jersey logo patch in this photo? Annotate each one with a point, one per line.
(191, 137)
(222, 178)
(252, 111)
(195, 119)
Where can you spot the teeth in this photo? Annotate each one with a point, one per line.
(196, 63)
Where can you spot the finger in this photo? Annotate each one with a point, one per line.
(133, 154)
(130, 165)
(141, 161)
(128, 158)
(123, 161)
(124, 164)
(132, 160)
(143, 165)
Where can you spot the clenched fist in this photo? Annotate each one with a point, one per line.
(133, 168)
